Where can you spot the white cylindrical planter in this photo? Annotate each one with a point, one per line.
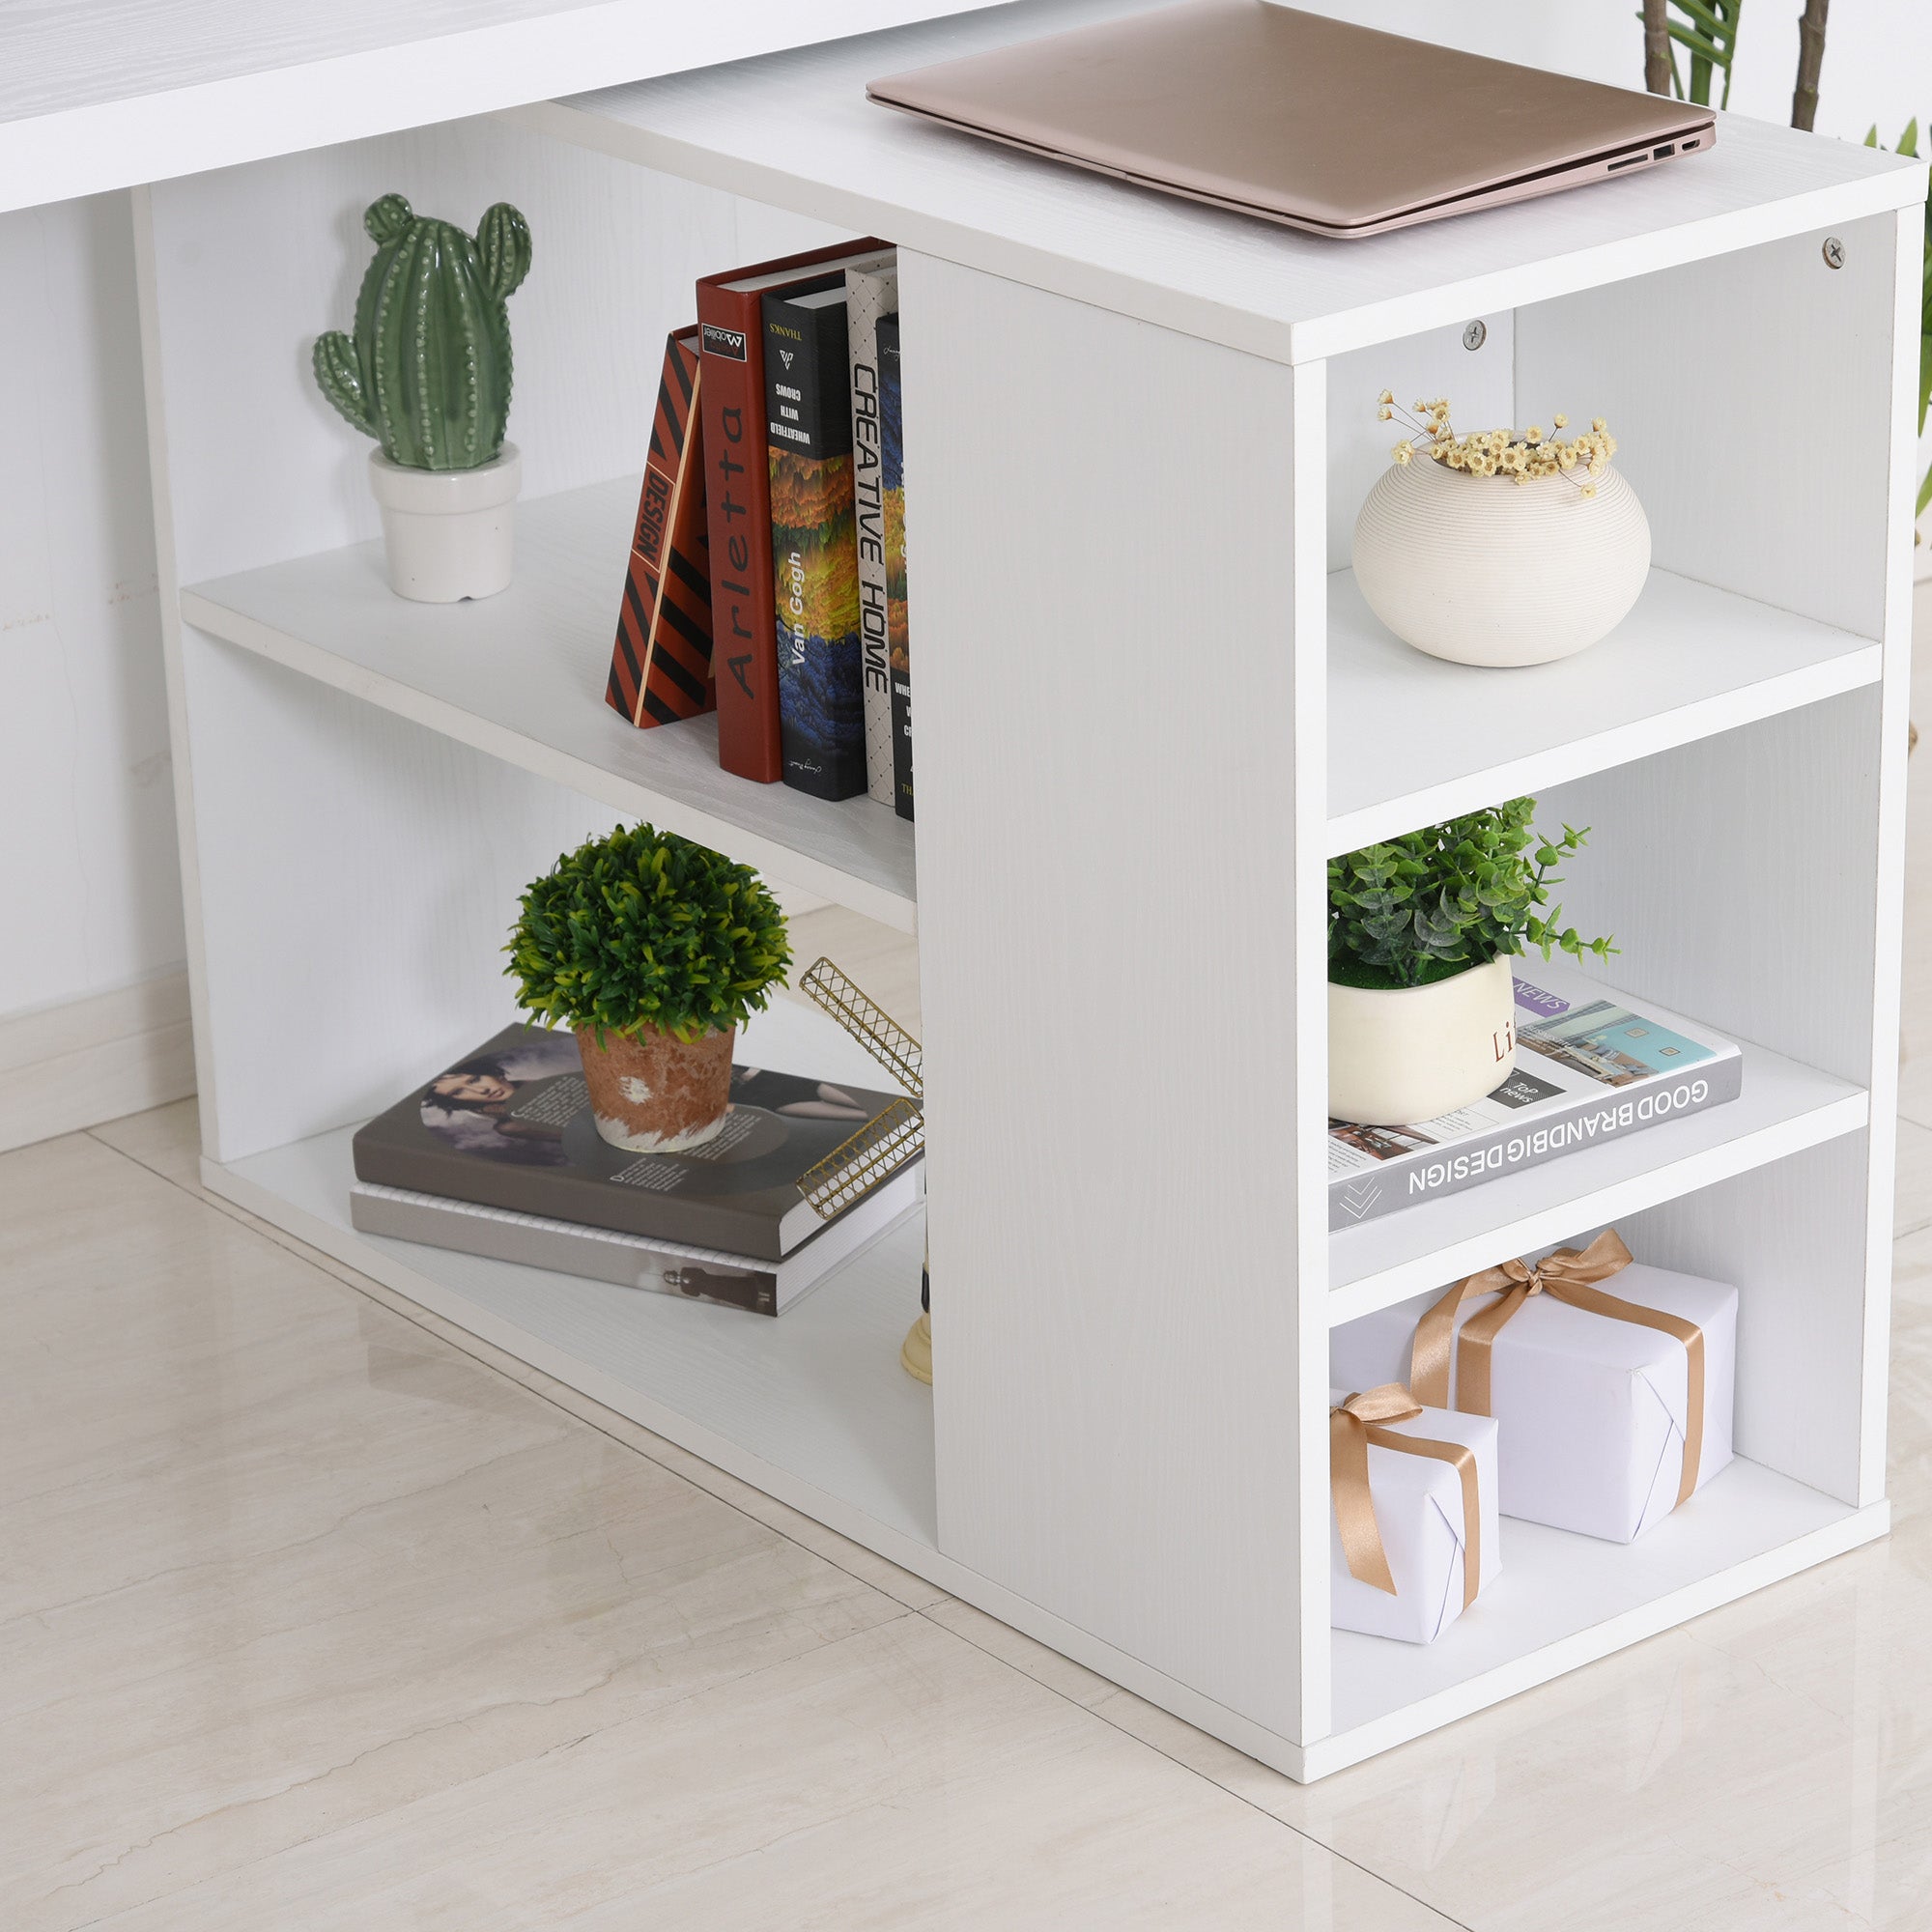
(1413, 1052)
(447, 532)
(1485, 571)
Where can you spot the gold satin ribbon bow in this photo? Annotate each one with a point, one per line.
(1568, 1276)
(1352, 1427)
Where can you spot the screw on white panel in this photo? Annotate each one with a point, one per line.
(1835, 252)
(1475, 335)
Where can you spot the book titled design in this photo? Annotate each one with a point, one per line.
(1591, 1065)
(630, 1261)
(661, 666)
(892, 445)
(731, 347)
(872, 296)
(814, 549)
(510, 1127)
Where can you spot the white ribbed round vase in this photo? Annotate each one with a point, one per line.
(1485, 571)
(1411, 1053)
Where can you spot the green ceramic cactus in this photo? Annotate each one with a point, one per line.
(428, 372)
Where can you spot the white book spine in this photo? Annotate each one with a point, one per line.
(870, 294)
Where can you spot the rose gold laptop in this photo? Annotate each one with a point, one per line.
(1327, 127)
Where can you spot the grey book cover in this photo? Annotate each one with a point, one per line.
(1591, 1065)
(510, 1127)
(630, 1261)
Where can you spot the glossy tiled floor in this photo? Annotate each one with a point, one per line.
(317, 1614)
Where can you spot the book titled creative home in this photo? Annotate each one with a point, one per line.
(814, 544)
(510, 1127)
(892, 445)
(871, 298)
(1591, 1065)
(661, 665)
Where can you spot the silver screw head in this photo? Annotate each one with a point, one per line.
(1835, 252)
(1475, 335)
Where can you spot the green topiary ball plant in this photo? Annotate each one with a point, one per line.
(644, 931)
(1434, 903)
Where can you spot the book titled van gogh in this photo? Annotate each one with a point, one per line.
(814, 546)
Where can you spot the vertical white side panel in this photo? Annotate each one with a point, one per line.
(1751, 398)
(254, 263)
(1100, 559)
(1479, 383)
(1791, 1236)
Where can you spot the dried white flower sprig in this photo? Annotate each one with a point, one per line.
(1521, 455)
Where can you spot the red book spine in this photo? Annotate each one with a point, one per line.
(661, 663)
(731, 410)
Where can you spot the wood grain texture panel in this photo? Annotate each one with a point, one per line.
(1740, 878)
(107, 94)
(357, 876)
(797, 130)
(1792, 1238)
(522, 675)
(1107, 939)
(1751, 398)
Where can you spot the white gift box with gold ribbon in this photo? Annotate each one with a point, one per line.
(1611, 1382)
(1432, 1512)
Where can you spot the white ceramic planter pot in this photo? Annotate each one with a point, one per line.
(1485, 571)
(1414, 1052)
(447, 532)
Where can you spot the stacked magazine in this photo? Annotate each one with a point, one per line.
(498, 1156)
(1591, 1065)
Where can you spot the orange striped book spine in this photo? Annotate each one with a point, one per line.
(661, 666)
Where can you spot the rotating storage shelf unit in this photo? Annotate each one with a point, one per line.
(1151, 705)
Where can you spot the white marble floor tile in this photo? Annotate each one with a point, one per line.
(310, 1619)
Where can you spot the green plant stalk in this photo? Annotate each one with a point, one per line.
(1908, 145)
(1440, 900)
(644, 929)
(428, 370)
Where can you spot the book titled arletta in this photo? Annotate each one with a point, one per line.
(510, 1127)
(661, 665)
(730, 322)
(1591, 1065)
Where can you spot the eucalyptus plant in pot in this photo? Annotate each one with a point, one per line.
(652, 950)
(427, 374)
(1421, 931)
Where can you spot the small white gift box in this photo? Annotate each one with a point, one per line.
(1593, 1411)
(1422, 1518)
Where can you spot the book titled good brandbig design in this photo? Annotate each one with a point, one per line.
(1591, 1065)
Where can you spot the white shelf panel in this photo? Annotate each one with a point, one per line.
(1413, 740)
(1785, 1106)
(1560, 1600)
(104, 94)
(795, 129)
(811, 1406)
(521, 677)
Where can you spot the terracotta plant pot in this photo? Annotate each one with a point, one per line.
(1411, 1053)
(653, 1094)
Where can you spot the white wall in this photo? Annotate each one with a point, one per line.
(89, 893)
(88, 875)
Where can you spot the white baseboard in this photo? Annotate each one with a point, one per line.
(74, 1065)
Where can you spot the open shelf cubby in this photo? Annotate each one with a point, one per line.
(1151, 705)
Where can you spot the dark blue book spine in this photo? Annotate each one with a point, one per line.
(892, 451)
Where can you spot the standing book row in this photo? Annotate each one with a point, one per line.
(767, 578)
